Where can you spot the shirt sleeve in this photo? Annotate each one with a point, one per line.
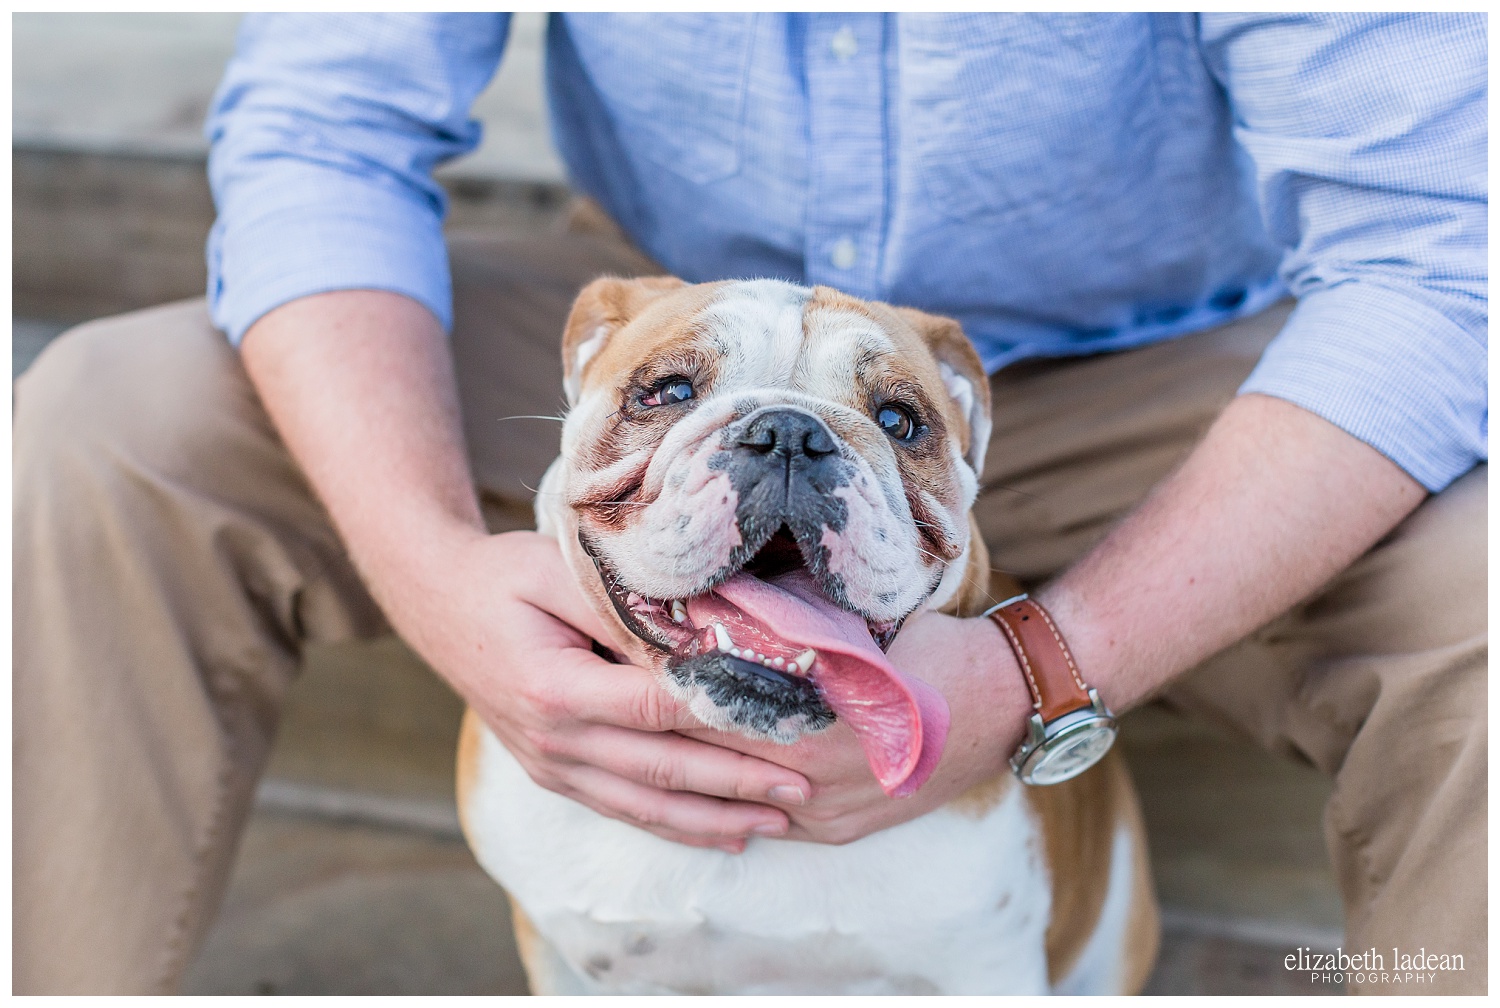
(1367, 139)
(324, 133)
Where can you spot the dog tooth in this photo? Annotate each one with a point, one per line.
(679, 611)
(760, 657)
(777, 662)
(734, 652)
(722, 636)
(632, 599)
(804, 661)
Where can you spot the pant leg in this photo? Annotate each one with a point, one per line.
(169, 565)
(1378, 680)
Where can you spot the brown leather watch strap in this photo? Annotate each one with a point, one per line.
(1056, 686)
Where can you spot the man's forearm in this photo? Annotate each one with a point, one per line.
(360, 387)
(1269, 506)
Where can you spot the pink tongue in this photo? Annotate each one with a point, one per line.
(901, 722)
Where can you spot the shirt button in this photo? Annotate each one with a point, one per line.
(844, 254)
(843, 44)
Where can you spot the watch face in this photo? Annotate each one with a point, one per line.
(1070, 755)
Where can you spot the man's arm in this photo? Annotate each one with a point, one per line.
(360, 386)
(1271, 505)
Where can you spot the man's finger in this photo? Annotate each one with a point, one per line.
(713, 819)
(625, 696)
(669, 762)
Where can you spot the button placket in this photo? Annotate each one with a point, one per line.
(847, 140)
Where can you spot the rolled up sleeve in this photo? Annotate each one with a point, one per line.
(324, 134)
(1366, 136)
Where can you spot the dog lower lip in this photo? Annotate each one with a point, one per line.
(749, 667)
(619, 597)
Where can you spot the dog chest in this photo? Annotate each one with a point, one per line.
(948, 903)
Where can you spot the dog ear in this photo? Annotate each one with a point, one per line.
(603, 308)
(963, 374)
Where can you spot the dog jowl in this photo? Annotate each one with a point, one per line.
(763, 485)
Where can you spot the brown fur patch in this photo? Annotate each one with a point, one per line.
(1078, 821)
(466, 771)
(1143, 927)
(653, 334)
(647, 320)
(529, 944)
(608, 302)
(909, 377)
(947, 343)
(1080, 818)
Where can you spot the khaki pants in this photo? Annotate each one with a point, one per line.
(170, 564)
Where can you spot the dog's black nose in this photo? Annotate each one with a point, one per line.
(790, 434)
(785, 465)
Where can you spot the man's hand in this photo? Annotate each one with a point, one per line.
(503, 619)
(972, 665)
(360, 386)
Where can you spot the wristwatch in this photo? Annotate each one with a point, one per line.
(1070, 729)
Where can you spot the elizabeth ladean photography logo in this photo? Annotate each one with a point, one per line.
(1372, 966)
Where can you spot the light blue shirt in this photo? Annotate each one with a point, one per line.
(1061, 184)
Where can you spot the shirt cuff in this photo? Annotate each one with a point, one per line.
(335, 232)
(1395, 373)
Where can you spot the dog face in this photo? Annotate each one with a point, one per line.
(760, 482)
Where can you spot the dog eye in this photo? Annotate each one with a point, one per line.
(673, 390)
(897, 422)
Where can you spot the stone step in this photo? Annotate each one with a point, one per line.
(110, 199)
(141, 84)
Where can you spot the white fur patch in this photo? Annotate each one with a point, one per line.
(587, 351)
(944, 904)
(962, 391)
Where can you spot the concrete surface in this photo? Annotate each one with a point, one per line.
(140, 84)
(110, 199)
(327, 908)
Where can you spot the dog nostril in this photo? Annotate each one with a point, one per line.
(759, 438)
(817, 443)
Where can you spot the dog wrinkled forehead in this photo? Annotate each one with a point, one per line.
(756, 335)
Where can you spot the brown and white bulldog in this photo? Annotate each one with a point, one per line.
(759, 483)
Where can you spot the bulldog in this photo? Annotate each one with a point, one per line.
(759, 482)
